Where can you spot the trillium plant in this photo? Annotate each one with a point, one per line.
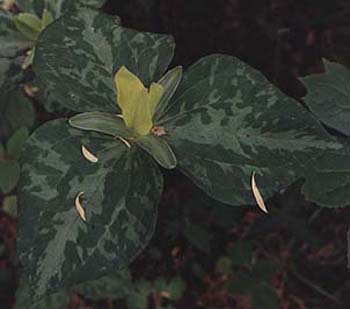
(91, 183)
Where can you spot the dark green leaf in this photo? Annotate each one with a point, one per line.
(139, 298)
(265, 297)
(224, 265)
(94, 48)
(13, 43)
(47, 100)
(176, 287)
(15, 111)
(227, 121)
(328, 182)
(15, 143)
(115, 285)
(56, 7)
(10, 75)
(198, 237)
(328, 96)
(170, 81)
(241, 253)
(243, 284)
(121, 192)
(160, 285)
(264, 270)
(101, 122)
(9, 175)
(58, 300)
(159, 149)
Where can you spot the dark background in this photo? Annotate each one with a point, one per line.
(284, 39)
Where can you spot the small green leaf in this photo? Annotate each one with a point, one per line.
(265, 297)
(136, 102)
(9, 205)
(176, 287)
(224, 265)
(15, 143)
(170, 81)
(198, 237)
(160, 285)
(107, 123)
(241, 253)
(264, 270)
(243, 284)
(118, 284)
(9, 175)
(46, 19)
(159, 149)
(29, 25)
(139, 298)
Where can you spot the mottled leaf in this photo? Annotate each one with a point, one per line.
(115, 285)
(227, 121)
(94, 48)
(159, 149)
(328, 96)
(58, 300)
(56, 7)
(121, 192)
(47, 100)
(328, 180)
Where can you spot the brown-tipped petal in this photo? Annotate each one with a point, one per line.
(79, 208)
(257, 195)
(88, 155)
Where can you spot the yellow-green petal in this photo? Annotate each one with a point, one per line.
(137, 104)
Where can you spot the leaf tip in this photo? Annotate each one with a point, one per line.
(88, 155)
(257, 195)
(80, 210)
(124, 141)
